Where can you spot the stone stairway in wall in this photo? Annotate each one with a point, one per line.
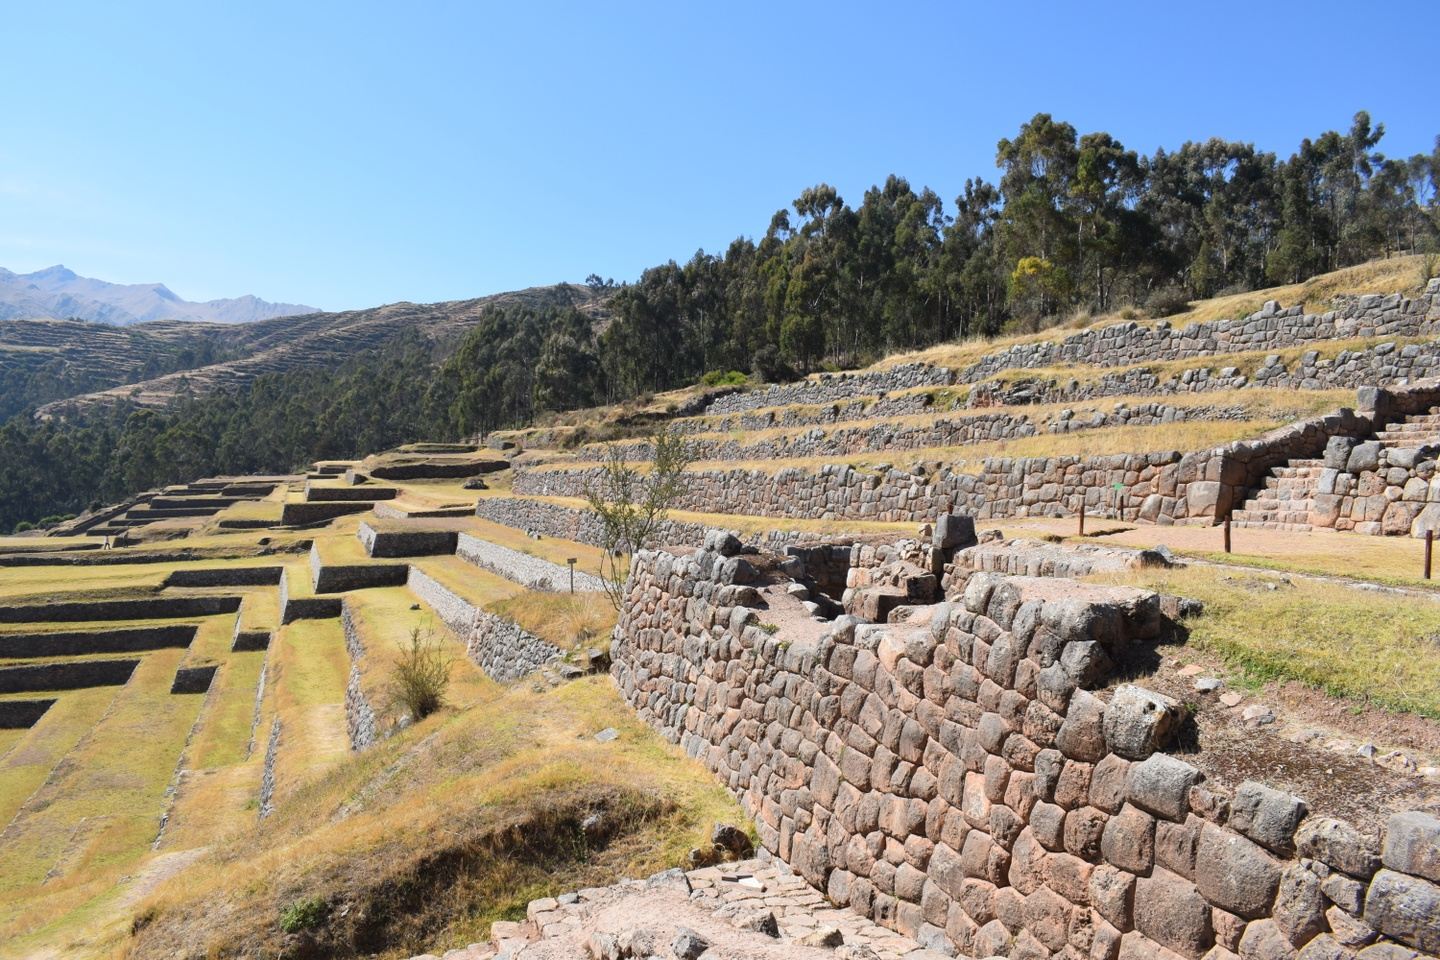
(1421, 429)
(1287, 499)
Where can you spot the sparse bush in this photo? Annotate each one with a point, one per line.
(723, 378)
(304, 914)
(1167, 301)
(630, 506)
(1429, 266)
(421, 674)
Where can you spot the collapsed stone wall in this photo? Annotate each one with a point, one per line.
(500, 647)
(958, 781)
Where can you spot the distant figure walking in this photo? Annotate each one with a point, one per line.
(107, 542)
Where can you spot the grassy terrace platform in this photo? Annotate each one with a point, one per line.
(309, 669)
(100, 810)
(383, 619)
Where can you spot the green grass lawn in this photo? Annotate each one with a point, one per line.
(36, 751)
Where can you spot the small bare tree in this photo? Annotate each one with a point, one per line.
(632, 504)
(422, 672)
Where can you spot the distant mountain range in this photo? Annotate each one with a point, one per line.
(59, 293)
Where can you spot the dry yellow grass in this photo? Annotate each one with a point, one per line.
(570, 621)
(1188, 435)
(1396, 275)
(512, 763)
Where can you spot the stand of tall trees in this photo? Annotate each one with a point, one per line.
(1074, 222)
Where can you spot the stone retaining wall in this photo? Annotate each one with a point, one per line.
(343, 577)
(304, 608)
(500, 647)
(1162, 487)
(348, 494)
(522, 568)
(66, 675)
(360, 721)
(82, 642)
(22, 714)
(957, 780)
(266, 799)
(831, 387)
(1270, 328)
(140, 608)
(405, 543)
(225, 577)
(194, 679)
(954, 431)
(298, 514)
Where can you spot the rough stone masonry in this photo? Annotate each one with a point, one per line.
(954, 778)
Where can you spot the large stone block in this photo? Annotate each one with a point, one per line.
(1412, 845)
(1170, 912)
(1267, 816)
(1161, 784)
(1338, 845)
(1137, 722)
(1234, 873)
(1406, 908)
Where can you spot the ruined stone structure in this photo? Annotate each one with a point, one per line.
(955, 778)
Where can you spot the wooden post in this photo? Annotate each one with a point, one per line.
(571, 561)
(1227, 534)
(1082, 518)
(1429, 550)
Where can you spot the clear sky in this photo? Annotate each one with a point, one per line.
(350, 154)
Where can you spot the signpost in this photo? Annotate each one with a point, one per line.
(571, 561)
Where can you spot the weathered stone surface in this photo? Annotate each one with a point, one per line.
(1235, 874)
(1412, 844)
(1170, 912)
(1129, 840)
(1137, 722)
(1269, 817)
(1405, 908)
(1161, 784)
(1338, 845)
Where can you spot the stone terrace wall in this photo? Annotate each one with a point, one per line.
(959, 783)
(1122, 344)
(500, 647)
(950, 431)
(1270, 328)
(582, 526)
(360, 721)
(1163, 487)
(832, 387)
(522, 568)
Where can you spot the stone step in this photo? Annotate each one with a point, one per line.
(1271, 525)
(1266, 503)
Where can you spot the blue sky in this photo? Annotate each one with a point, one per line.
(350, 154)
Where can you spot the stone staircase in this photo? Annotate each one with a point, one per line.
(1287, 499)
(1417, 430)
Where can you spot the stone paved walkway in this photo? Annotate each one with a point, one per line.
(727, 907)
